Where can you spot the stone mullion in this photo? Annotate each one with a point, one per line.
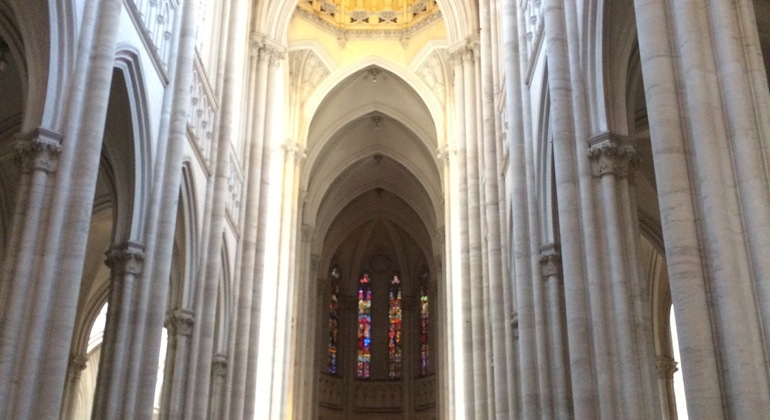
(126, 264)
(258, 83)
(179, 325)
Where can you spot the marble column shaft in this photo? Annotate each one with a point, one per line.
(465, 381)
(209, 278)
(474, 244)
(518, 136)
(37, 156)
(258, 87)
(179, 325)
(126, 263)
(259, 267)
(500, 328)
(591, 381)
(161, 226)
(614, 161)
(551, 271)
(708, 144)
(50, 320)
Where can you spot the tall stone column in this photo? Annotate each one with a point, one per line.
(666, 367)
(179, 325)
(551, 271)
(161, 226)
(126, 263)
(74, 371)
(218, 379)
(258, 86)
(273, 54)
(210, 276)
(470, 63)
(56, 276)
(707, 101)
(591, 365)
(37, 156)
(614, 161)
(498, 299)
(461, 284)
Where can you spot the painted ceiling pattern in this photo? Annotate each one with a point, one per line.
(365, 17)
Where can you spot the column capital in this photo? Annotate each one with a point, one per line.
(38, 150)
(125, 258)
(293, 150)
(446, 153)
(266, 48)
(612, 154)
(315, 262)
(666, 367)
(550, 261)
(219, 365)
(78, 362)
(180, 322)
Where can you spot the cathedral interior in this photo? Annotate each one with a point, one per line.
(384, 209)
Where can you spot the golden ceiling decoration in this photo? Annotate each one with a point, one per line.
(367, 17)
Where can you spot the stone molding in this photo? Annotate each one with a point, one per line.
(612, 154)
(126, 258)
(38, 150)
(180, 322)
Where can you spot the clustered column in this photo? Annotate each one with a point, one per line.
(709, 107)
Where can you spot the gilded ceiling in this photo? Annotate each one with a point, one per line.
(367, 17)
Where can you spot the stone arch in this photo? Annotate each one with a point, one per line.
(341, 75)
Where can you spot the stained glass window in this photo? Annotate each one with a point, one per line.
(334, 316)
(424, 347)
(394, 331)
(364, 327)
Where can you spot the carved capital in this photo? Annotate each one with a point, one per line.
(219, 365)
(126, 258)
(550, 263)
(38, 150)
(315, 262)
(447, 154)
(180, 322)
(308, 233)
(77, 363)
(612, 154)
(293, 150)
(666, 367)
